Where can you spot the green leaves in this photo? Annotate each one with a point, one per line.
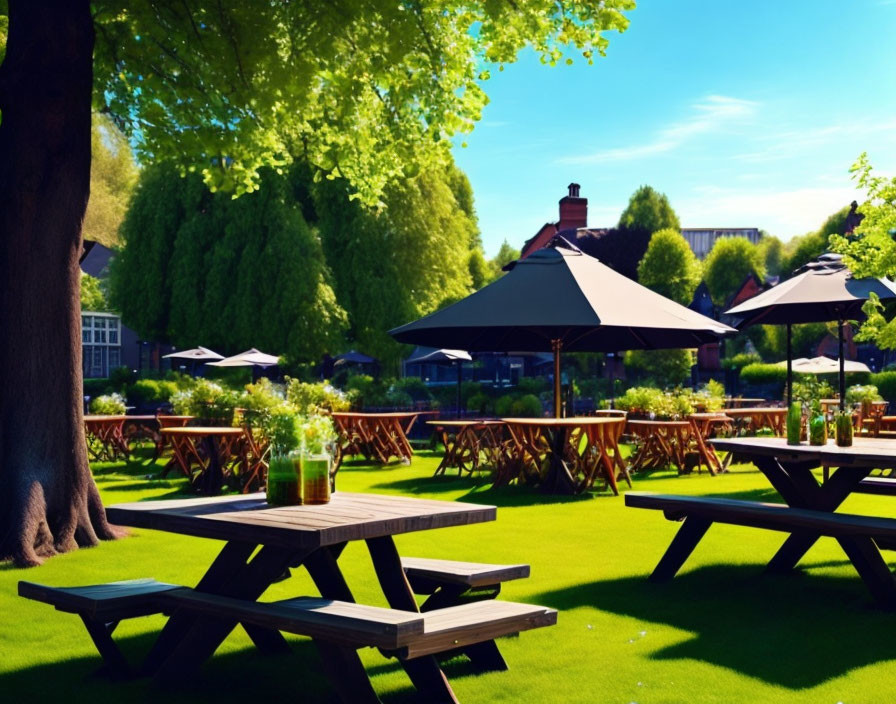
(729, 262)
(371, 92)
(669, 267)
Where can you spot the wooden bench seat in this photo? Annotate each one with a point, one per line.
(450, 582)
(404, 634)
(101, 607)
(884, 486)
(861, 537)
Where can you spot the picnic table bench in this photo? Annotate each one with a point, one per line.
(808, 512)
(313, 537)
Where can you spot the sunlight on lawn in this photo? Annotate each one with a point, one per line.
(721, 626)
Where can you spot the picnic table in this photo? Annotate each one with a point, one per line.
(740, 401)
(107, 439)
(376, 436)
(807, 514)
(313, 537)
(667, 443)
(758, 417)
(564, 455)
(466, 442)
(206, 454)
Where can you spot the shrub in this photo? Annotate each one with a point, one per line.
(414, 387)
(860, 394)
(527, 406)
(145, 391)
(886, 384)
(480, 403)
(108, 405)
(739, 361)
(664, 367)
(532, 385)
(314, 398)
(757, 373)
(504, 406)
(641, 399)
(809, 390)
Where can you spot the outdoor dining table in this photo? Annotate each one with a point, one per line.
(564, 455)
(759, 417)
(377, 436)
(290, 537)
(467, 441)
(665, 443)
(106, 441)
(788, 469)
(211, 449)
(740, 401)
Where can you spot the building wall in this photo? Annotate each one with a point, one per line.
(701, 239)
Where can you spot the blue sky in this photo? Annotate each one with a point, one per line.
(744, 114)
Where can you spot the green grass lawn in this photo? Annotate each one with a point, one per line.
(720, 632)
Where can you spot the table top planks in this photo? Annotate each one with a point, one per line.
(249, 518)
(561, 422)
(865, 451)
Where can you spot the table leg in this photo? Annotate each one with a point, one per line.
(188, 639)
(559, 480)
(691, 532)
(424, 671)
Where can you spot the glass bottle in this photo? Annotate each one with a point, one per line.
(316, 478)
(843, 429)
(284, 483)
(794, 423)
(818, 430)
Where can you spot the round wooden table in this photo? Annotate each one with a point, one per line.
(761, 417)
(377, 436)
(467, 441)
(211, 449)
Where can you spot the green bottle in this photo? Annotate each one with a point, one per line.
(794, 423)
(284, 480)
(818, 430)
(843, 429)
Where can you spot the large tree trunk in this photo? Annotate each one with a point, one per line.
(48, 500)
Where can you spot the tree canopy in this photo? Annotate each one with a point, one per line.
(649, 210)
(369, 92)
(772, 250)
(872, 250)
(804, 249)
(729, 262)
(670, 267)
(395, 265)
(203, 268)
(113, 177)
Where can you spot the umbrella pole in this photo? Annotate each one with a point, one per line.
(555, 347)
(842, 372)
(789, 366)
(460, 378)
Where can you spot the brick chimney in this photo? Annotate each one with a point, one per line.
(573, 210)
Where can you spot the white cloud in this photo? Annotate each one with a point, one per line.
(782, 213)
(711, 114)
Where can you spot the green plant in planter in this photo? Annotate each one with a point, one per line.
(318, 437)
(108, 405)
(862, 394)
(818, 426)
(843, 429)
(284, 482)
(808, 390)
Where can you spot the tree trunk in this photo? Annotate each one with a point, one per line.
(48, 500)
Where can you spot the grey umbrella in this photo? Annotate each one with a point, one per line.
(822, 291)
(443, 356)
(560, 299)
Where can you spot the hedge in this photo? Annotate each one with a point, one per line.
(886, 385)
(758, 373)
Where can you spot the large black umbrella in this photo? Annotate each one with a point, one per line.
(821, 291)
(443, 356)
(560, 299)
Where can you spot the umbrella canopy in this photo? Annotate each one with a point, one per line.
(557, 299)
(822, 291)
(427, 355)
(197, 354)
(561, 294)
(249, 358)
(825, 290)
(353, 357)
(825, 365)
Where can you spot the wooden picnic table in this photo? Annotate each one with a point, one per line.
(466, 442)
(740, 401)
(206, 454)
(666, 443)
(788, 469)
(106, 441)
(758, 417)
(376, 436)
(564, 455)
(290, 537)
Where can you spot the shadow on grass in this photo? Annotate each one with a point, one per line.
(795, 630)
(226, 677)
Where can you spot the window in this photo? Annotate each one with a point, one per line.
(101, 340)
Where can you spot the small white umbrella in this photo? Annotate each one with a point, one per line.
(249, 358)
(825, 365)
(197, 354)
